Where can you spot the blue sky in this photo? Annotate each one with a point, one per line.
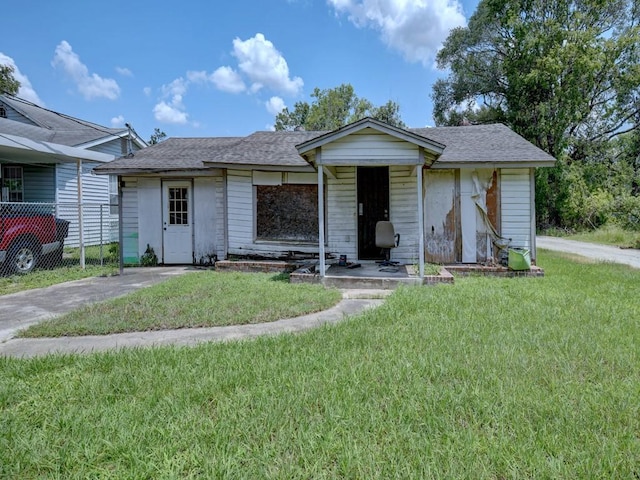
(196, 68)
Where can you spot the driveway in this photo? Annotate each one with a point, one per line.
(594, 251)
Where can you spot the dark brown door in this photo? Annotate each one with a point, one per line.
(373, 206)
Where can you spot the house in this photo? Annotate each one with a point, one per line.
(451, 192)
(46, 156)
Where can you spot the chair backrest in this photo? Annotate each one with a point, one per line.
(385, 235)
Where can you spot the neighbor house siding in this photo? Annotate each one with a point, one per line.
(39, 183)
(130, 246)
(95, 199)
(403, 207)
(341, 221)
(115, 147)
(369, 148)
(517, 210)
(16, 116)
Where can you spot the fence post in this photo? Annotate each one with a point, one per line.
(80, 219)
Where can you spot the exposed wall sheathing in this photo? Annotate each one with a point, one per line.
(441, 207)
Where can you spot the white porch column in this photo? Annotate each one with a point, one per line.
(320, 213)
(80, 217)
(420, 219)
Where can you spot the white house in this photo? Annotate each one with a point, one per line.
(453, 194)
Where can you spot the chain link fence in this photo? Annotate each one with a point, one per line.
(53, 235)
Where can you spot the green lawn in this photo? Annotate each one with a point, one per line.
(609, 235)
(46, 278)
(486, 379)
(199, 299)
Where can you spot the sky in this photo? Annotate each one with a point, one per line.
(218, 68)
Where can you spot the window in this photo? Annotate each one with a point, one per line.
(287, 212)
(12, 184)
(178, 206)
(3, 112)
(113, 194)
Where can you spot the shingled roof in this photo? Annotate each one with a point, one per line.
(50, 126)
(477, 144)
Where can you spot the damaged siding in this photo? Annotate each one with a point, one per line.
(442, 242)
(205, 215)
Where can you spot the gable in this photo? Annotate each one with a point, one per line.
(14, 115)
(370, 147)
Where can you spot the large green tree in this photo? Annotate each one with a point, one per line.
(8, 84)
(559, 72)
(333, 108)
(565, 74)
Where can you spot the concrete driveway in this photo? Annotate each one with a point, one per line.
(594, 251)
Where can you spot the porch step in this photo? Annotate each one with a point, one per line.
(368, 283)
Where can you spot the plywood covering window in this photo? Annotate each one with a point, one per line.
(287, 212)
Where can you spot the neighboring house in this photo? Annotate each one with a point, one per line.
(42, 152)
(450, 192)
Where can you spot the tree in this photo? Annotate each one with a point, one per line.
(157, 136)
(563, 74)
(334, 108)
(8, 84)
(554, 71)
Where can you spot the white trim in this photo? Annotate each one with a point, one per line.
(62, 153)
(321, 220)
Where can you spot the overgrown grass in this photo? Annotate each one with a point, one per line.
(199, 299)
(609, 235)
(487, 379)
(46, 278)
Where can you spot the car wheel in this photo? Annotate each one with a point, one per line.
(22, 258)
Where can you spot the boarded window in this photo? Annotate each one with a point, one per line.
(287, 212)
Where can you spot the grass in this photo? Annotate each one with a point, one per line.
(610, 235)
(487, 379)
(46, 278)
(199, 299)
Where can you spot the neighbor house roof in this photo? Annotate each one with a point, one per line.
(54, 127)
(477, 145)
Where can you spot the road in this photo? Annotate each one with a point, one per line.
(595, 251)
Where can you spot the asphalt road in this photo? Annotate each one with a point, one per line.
(594, 251)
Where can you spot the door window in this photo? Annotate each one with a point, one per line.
(178, 206)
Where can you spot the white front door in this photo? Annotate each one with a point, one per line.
(177, 220)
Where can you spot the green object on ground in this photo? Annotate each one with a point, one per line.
(519, 259)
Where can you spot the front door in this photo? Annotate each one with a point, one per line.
(177, 222)
(373, 206)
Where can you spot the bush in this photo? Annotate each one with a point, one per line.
(626, 212)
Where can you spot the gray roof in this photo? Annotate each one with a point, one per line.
(494, 143)
(51, 126)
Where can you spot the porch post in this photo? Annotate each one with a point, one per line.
(420, 218)
(320, 212)
(80, 217)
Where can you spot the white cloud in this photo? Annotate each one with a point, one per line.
(275, 105)
(117, 121)
(25, 91)
(166, 113)
(265, 66)
(172, 110)
(125, 72)
(415, 28)
(228, 80)
(90, 85)
(146, 91)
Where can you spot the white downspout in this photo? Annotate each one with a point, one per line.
(420, 217)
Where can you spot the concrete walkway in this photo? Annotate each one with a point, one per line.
(22, 309)
(594, 251)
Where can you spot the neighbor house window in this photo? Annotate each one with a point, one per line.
(3, 112)
(113, 194)
(287, 212)
(12, 184)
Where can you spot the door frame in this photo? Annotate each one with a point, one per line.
(363, 255)
(165, 185)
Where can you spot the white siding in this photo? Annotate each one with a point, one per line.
(130, 247)
(403, 209)
(239, 211)
(517, 211)
(370, 148)
(205, 217)
(115, 147)
(39, 183)
(15, 116)
(342, 220)
(149, 205)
